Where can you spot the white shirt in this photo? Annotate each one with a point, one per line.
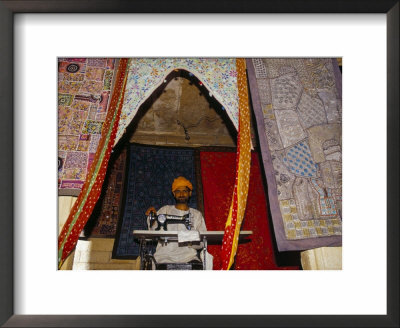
(173, 252)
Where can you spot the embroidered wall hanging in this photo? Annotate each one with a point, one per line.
(297, 105)
(150, 175)
(91, 190)
(104, 219)
(84, 86)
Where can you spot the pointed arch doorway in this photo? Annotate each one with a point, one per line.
(164, 139)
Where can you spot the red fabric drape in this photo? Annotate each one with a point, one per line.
(243, 159)
(218, 176)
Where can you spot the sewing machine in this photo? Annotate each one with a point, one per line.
(164, 219)
(148, 237)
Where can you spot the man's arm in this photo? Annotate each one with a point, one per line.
(199, 223)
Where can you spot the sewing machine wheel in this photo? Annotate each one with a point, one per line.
(162, 218)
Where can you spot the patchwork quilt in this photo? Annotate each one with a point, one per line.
(84, 86)
(298, 109)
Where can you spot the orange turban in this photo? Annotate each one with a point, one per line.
(181, 182)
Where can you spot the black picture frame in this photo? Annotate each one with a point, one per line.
(7, 11)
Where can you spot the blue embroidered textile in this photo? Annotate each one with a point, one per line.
(150, 175)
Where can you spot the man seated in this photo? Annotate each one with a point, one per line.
(172, 251)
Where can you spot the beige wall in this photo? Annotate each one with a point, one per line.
(65, 204)
(91, 254)
(95, 254)
(323, 258)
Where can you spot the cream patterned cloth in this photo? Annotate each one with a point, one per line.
(298, 108)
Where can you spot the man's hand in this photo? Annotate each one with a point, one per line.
(151, 210)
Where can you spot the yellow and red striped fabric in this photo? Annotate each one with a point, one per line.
(91, 189)
(243, 159)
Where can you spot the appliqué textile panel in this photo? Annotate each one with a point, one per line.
(298, 109)
(218, 75)
(218, 174)
(84, 86)
(150, 176)
(104, 223)
(91, 188)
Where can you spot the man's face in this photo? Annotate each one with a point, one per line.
(182, 195)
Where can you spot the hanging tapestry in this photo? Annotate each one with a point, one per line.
(218, 75)
(218, 174)
(104, 219)
(150, 175)
(91, 190)
(84, 86)
(297, 105)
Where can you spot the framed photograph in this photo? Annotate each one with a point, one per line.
(34, 35)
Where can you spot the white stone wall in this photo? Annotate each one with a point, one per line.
(92, 254)
(95, 254)
(323, 258)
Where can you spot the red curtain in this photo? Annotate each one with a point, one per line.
(218, 176)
